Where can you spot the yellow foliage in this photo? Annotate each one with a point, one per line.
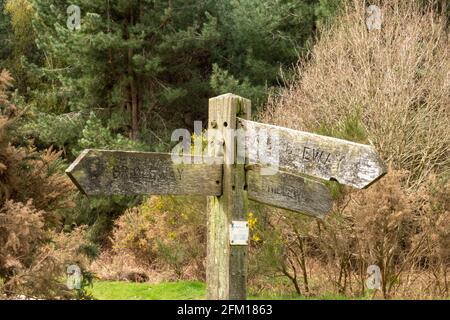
(256, 238)
(21, 12)
(252, 220)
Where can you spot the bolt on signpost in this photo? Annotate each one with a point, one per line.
(245, 160)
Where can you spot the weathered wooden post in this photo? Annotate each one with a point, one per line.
(226, 270)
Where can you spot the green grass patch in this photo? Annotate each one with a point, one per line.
(181, 290)
(121, 290)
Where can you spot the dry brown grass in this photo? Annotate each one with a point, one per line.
(123, 266)
(394, 82)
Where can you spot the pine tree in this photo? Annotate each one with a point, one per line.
(261, 39)
(139, 62)
(128, 58)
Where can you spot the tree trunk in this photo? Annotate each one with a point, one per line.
(134, 104)
(132, 87)
(303, 264)
(293, 277)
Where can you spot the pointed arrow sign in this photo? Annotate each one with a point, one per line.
(102, 172)
(349, 163)
(288, 191)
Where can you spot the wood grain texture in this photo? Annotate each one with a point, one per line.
(328, 158)
(288, 191)
(102, 172)
(226, 271)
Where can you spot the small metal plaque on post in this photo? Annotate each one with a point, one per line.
(239, 233)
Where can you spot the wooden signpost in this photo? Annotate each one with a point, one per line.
(328, 158)
(103, 172)
(229, 186)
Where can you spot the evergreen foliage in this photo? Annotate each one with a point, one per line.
(152, 65)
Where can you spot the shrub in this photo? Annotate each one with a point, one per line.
(385, 226)
(46, 129)
(165, 233)
(95, 135)
(34, 260)
(432, 205)
(405, 233)
(387, 87)
(34, 193)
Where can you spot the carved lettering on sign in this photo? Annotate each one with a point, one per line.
(285, 191)
(288, 191)
(316, 155)
(322, 157)
(102, 172)
(147, 174)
